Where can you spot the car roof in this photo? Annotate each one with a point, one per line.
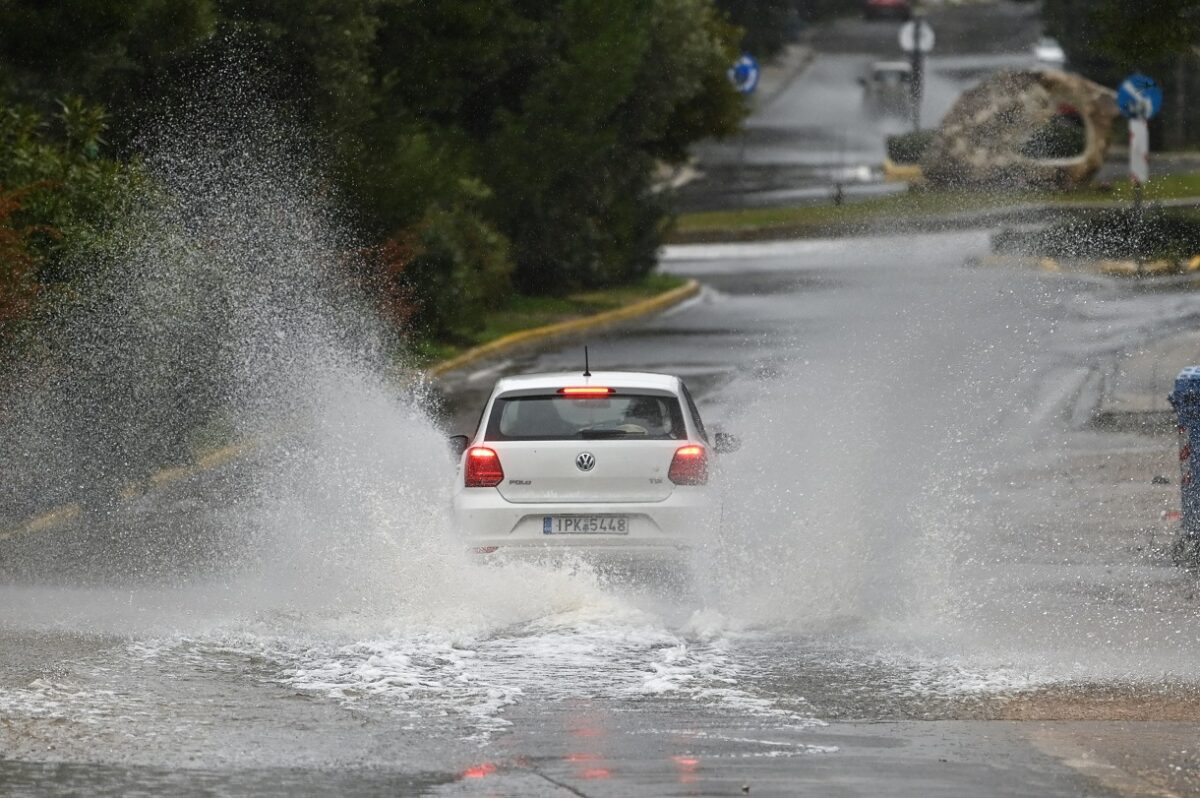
(615, 379)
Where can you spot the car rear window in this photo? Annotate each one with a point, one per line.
(551, 418)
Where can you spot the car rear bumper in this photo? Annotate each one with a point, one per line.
(607, 558)
(484, 519)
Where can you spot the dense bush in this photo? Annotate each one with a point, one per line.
(459, 270)
(1061, 137)
(17, 284)
(58, 195)
(909, 148)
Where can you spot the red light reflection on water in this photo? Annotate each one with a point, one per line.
(581, 757)
(589, 730)
(479, 771)
(686, 765)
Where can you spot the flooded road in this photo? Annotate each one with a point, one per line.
(935, 577)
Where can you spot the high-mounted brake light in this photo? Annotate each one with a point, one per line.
(689, 466)
(483, 468)
(586, 391)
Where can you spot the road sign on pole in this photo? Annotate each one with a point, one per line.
(744, 74)
(744, 77)
(916, 39)
(916, 34)
(1139, 97)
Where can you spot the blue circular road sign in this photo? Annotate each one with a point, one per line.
(744, 74)
(1139, 97)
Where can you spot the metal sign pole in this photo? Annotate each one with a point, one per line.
(1139, 158)
(741, 179)
(918, 78)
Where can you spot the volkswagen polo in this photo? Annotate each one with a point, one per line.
(611, 463)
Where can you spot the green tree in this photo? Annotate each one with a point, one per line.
(460, 270)
(69, 189)
(316, 53)
(558, 110)
(768, 25)
(1106, 40)
(115, 52)
(566, 109)
(17, 286)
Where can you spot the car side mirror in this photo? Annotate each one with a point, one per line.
(458, 445)
(724, 443)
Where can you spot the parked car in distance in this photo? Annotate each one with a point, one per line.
(887, 88)
(611, 464)
(894, 9)
(1049, 52)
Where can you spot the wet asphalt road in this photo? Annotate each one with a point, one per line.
(1045, 575)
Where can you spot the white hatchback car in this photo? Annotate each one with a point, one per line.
(611, 464)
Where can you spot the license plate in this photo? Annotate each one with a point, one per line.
(585, 525)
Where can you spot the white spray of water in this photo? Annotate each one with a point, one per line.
(907, 483)
(336, 572)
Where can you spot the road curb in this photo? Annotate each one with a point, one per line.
(566, 329)
(902, 172)
(1107, 267)
(204, 461)
(42, 521)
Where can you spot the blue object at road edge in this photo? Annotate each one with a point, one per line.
(744, 74)
(1139, 97)
(1186, 401)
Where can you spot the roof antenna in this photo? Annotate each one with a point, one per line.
(587, 372)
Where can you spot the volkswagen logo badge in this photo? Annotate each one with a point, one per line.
(586, 461)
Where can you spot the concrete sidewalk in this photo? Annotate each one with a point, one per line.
(1136, 388)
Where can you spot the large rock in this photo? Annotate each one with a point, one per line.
(989, 137)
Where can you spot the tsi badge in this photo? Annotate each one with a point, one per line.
(586, 461)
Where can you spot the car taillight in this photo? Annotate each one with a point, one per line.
(689, 466)
(483, 468)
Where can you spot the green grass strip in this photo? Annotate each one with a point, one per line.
(916, 204)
